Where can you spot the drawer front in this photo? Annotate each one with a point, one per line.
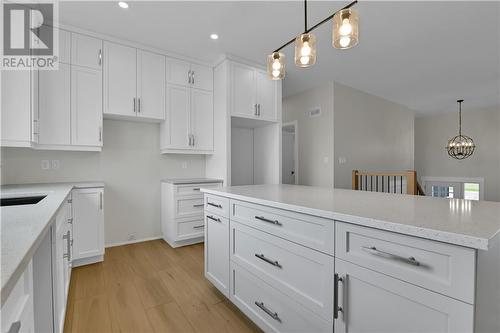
(189, 207)
(301, 273)
(193, 189)
(444, 268)
(190, 229)
(217, 205)
(270, 309)
(311, 231)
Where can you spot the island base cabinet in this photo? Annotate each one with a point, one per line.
(372, 302)
(269, 308)
(217, 252)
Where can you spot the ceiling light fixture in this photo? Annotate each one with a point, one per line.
(344, 36)
(214, 36)
(461, 146)
(123, 4)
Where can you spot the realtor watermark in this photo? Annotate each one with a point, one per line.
(30, 40)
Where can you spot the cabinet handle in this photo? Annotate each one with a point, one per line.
(275, 222)
(189, 77)
(70, 221)
(139, 105)
(269, 261)
(100, 57)
(214, 205)
(199, 205)
(271, 314)
(134, 105)
(100, 134)
(196, 189)
(100, 200)
(198, 226)
(15, 327)
(192, 76)
(70, 200)
(373, 250)
(336, 307)
(213, 218)
(258, 109)
(193, 139)
(255, 110)
(67, 237)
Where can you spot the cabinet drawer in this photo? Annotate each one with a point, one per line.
(303, 274)
(190, 229)
(189, 207)
(444, 268)
(311, 231)
(193, 189)
(217, 205)
(270, 309)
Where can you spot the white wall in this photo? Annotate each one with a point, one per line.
(433, 132)
(315, 134)
(131, 166)
(371, 133)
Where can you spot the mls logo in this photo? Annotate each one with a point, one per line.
(24, 30)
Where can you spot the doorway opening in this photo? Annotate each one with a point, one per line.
(290, 153)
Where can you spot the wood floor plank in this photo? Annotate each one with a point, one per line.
(152, 291)
(91, 314)
(168, 318)
(89, 281)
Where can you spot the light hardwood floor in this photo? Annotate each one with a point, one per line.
(149, 287)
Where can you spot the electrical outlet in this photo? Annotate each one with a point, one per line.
(131, 237)
(342, 160)
(184, 165)
(55, 164)
(325, 160)
(45, 165)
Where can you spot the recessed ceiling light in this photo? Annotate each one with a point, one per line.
(123, 4)
(214, 36)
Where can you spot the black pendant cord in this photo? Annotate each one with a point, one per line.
(316, 25)
(460, 116)
(305, 15)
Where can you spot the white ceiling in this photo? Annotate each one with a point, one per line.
(423, 54)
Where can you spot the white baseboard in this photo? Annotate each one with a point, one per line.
(133, 241)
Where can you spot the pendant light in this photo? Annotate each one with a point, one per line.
(345, 29)
(345, 35)
(461, 146)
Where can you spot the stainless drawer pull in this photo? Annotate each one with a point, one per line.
(271, 314)
(70, 221)
(373, 250)
(198, 226)
(196, 189)
(199, 205)
(262, 218)
(214, 205)
(269, 261)
(336, 307)
(213, 218)
(15, 327)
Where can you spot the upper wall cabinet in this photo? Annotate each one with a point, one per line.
(253, 94)
(134, 83)
(86, 51)
(190, 75)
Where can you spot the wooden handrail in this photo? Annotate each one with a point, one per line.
(412, 186)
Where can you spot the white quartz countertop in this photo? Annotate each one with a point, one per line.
(179, 181)
(456, 221)
(23, 227)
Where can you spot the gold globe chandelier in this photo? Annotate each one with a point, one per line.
(460, 146)
(344, 36)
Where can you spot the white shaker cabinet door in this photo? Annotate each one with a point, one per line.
(178, 72)
(374, 302)
(119, 80)
(150, 85)
(88, 222)
(202, 77)
(54, 106)
(86, 106)
(86, 51)
(217, 251)
(202, 119)
(266, 97)
(243, 91)
(176, 130)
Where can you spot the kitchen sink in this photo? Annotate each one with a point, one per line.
(21, 200)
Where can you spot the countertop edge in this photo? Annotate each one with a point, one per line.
(425, 233)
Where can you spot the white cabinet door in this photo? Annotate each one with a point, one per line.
(202, 77)
(88, 222)
(177, 123)
(373, 302)
(150, 85)
(178, 72)
(86, 106)
(64, 46)
(86, 51)
(16, 108)
(119, 80)
(217, 251)
(243, 91)
(266, 96)
(202, 119)
(54, 106)
(60, 268)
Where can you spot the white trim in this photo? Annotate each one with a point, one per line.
(133, 241)
(295, 124)
(461, 180)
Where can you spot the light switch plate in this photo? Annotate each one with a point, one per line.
(55, 164)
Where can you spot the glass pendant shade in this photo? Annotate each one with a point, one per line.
(305, 50)
(345, 29)
(276, 66)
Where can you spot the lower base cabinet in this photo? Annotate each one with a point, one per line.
(217, 251)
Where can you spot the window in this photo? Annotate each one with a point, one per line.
(452, 187)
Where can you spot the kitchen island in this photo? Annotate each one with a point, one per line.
(300, 258)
